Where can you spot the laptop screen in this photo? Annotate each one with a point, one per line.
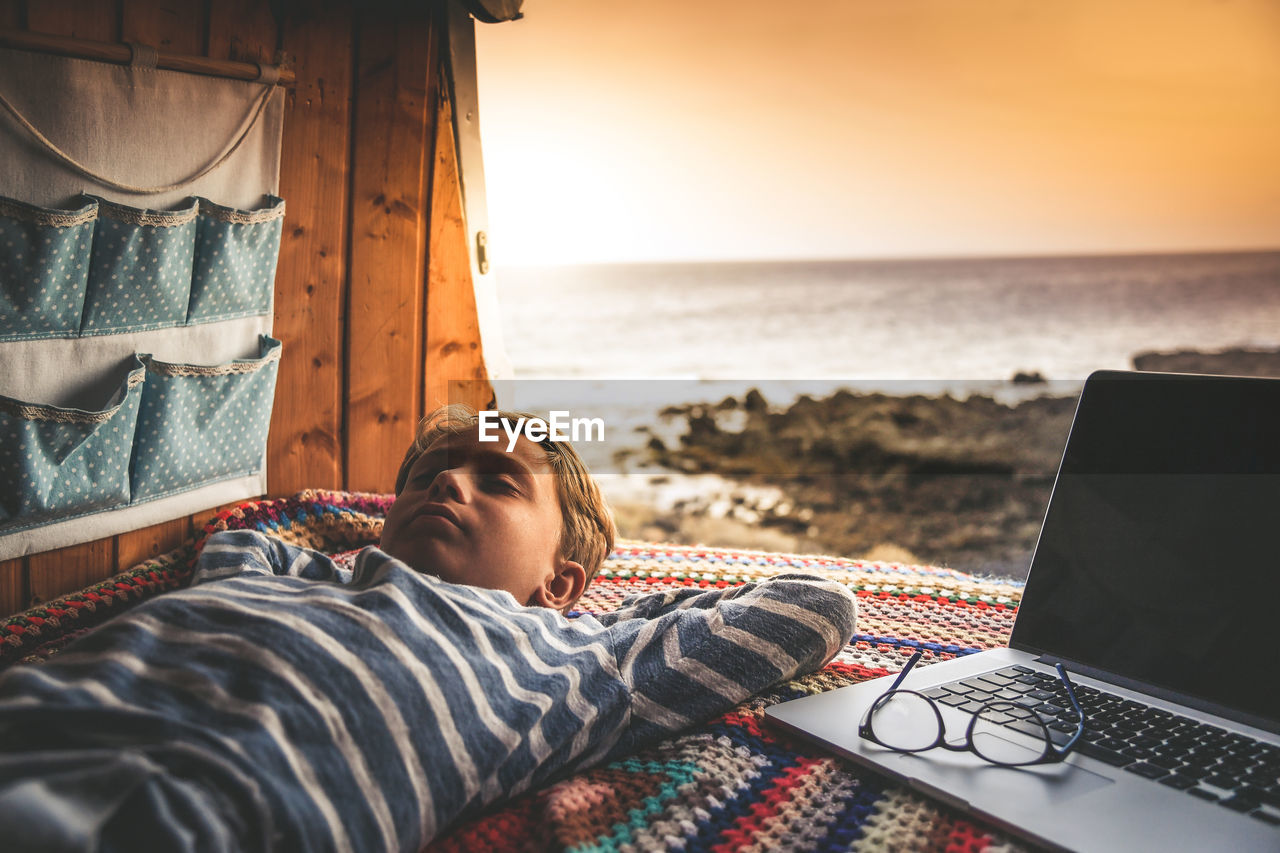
(1159, 560)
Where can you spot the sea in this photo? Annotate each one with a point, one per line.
(627, 340)
(977, 319)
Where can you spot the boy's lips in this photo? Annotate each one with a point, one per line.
(442, 511)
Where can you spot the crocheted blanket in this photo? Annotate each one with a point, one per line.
(731, 784)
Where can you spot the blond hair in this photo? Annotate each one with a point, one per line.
(587, 529)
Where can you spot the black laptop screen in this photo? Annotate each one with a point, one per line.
(1160, 555)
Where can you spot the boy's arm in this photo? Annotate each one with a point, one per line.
(237, 553)
(652, 605)
(701, 653)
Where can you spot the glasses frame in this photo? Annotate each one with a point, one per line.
(1052, 754)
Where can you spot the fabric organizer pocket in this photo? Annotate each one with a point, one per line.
(44, 267)
(140, 269)
(66, 462)
(235, 260)
(201, 424)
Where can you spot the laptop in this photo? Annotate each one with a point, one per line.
(1155, 582)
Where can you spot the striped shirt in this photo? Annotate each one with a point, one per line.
(283, 702)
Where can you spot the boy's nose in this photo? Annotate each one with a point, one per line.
(450, 484)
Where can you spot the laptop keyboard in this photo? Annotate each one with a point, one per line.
(1209, 762)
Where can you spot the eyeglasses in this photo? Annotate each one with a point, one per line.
(907, 721)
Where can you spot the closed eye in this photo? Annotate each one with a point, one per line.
(500, 483)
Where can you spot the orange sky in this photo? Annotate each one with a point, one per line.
(617, 130)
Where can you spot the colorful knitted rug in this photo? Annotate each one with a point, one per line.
(731, 784)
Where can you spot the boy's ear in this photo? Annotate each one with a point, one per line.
(562, 588)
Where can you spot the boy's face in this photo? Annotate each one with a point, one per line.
(472, 513)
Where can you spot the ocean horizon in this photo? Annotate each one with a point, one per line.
(861, 322)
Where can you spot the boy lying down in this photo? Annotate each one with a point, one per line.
(282, 702)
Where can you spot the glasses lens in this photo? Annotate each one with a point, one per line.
(904, 721)
(1008, 734)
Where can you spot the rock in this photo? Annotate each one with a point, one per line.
(1034, 377)
(952, 482)
(1228, 362)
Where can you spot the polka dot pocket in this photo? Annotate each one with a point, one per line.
(44, 269)
(201, 424)
(140, 269)
(67, 462)
(235, 261)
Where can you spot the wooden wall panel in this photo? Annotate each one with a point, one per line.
(56, 573)
(304, 448)
(13, 586)
(175, 26)
(244, 30)
(388, 245)
(138, 545)
(454, 358)
(77, 18)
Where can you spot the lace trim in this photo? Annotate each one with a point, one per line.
(164, 368)
(96, 207)
(24, 212)
(53, 414)
(138, 216)
(213, 210)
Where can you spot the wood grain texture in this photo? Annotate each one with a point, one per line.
(243, 30)
(56, 573)
(138, 545)
(388, 245)
(84, 19)
(304, 447)
(13, 586)
(454, 358)
(176, 26)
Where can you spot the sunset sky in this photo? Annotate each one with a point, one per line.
(674, 130)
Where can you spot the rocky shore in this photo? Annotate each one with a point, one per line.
(938, 480)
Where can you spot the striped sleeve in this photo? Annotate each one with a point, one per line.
(689, 656)
(656, 604)
(240, 553)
